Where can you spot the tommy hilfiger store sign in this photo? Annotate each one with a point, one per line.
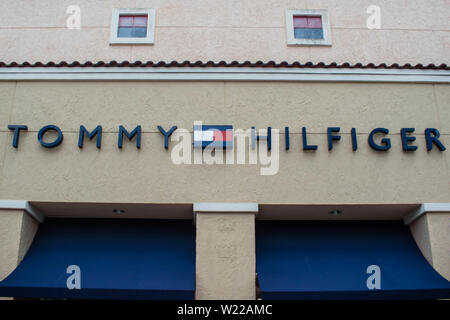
(211, 142)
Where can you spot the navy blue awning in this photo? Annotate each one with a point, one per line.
(118, 259)
(329, 260)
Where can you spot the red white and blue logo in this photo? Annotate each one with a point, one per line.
(219, 136)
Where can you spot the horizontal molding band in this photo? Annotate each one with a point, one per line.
(22, 205)
(224, 74)
(426, 208)
(210, 207)
(223, 207)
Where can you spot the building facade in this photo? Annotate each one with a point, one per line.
(225, 149)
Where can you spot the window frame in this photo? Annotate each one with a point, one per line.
(293, 41)
(149, 39)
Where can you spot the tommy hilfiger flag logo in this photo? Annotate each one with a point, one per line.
(213, 136)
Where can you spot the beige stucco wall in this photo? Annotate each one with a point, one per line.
(412, 31)
(10, 240)
(225, 256)
(28, 230)
(431, 232)
(439, 228)
(148, 175)
(109, 175)
(420, 231)
(17, 230)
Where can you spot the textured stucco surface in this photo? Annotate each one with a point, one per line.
(439, 229)
(225, 243)
(442, 101)
(225, 256)
(7, 90)
(148, 175)
(420, 231)
(28, 230)
(412, 31)
(432, 234)
(17, 230)
(10, 224)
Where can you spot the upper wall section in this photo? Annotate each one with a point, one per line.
(412, 31)
(153, 174)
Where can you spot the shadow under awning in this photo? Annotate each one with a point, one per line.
(118, 259)
(329, 260)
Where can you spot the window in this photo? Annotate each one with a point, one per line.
(308, 27)
(133, 26)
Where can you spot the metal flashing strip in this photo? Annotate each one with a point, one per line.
(222, 207)
(22, 205)
(426, 208)
(211, 207)
(224, 74)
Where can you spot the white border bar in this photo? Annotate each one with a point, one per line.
(211, 207)
(218, 207)
(22, 205)
(224, 74)
(426, 208)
